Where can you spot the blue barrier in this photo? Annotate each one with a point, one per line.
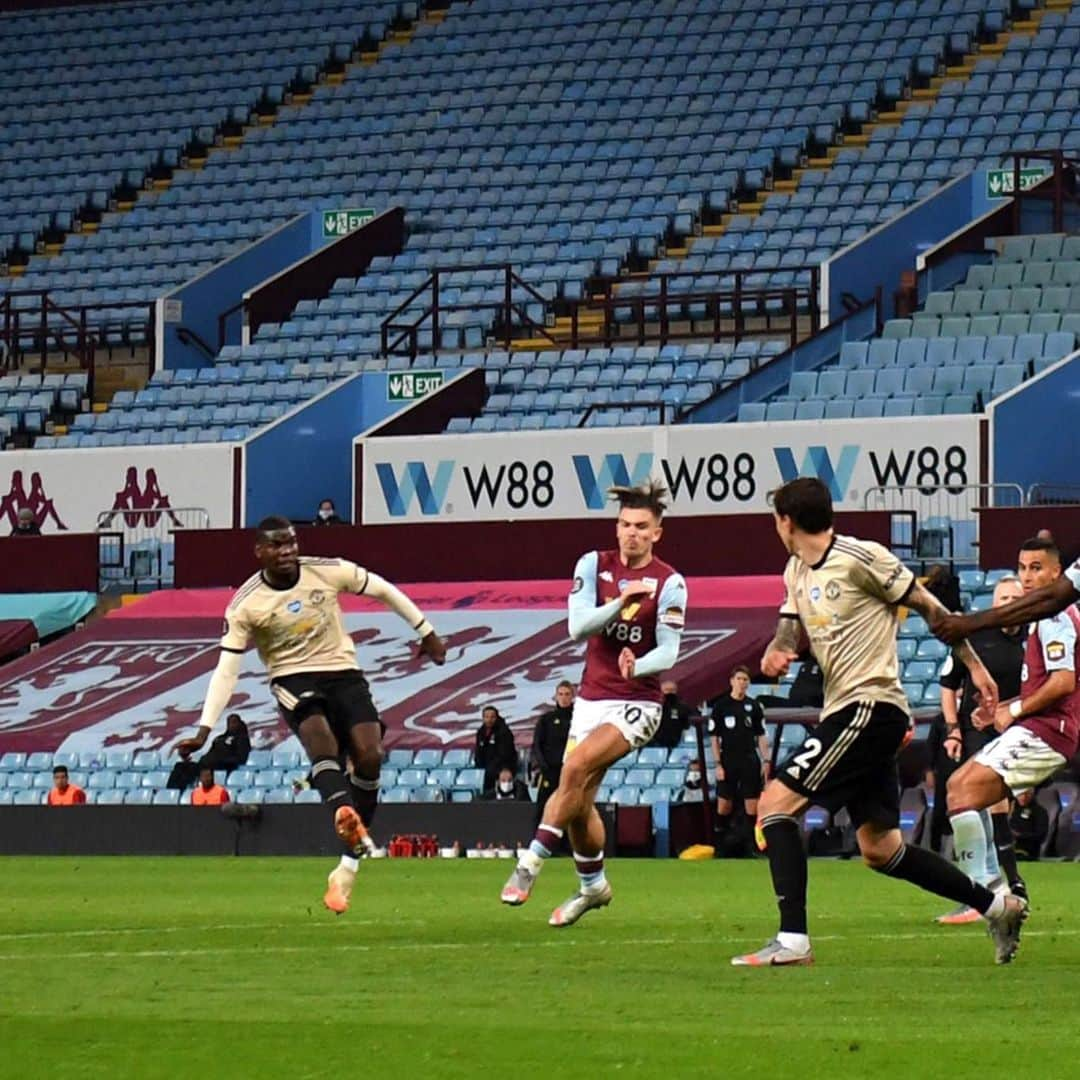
(880, 257)
(307, 455)
(1034, 435)
(198, 304)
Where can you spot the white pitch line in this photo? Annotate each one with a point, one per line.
(112, 931)
(562, 941)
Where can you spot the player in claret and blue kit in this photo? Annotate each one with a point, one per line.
(630, 608)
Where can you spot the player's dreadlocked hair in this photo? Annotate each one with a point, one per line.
(652, 495)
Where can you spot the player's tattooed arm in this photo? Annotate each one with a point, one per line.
(931, 609)
(784, 647)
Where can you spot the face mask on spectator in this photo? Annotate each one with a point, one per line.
(326, 515)
(506, 786)
(693, 779)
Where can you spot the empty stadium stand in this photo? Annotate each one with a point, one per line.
(707, 140)
(1013, 316)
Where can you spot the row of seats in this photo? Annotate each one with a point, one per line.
(973, 311)
(161, 797)
(165, 436)
(935, 352)
(847, 408)
(1059, 799)
(154, 761)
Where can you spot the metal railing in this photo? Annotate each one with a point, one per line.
(400, 321)
(136, 543)
(939, 522)
(1053, 495)
(45, 326)
(643, 403)
(733, 312)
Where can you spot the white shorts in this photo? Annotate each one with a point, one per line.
(636, 721)
(1020, 758)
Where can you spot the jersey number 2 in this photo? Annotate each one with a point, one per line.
(805, 758)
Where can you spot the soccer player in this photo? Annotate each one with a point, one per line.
(290, 610)
(1002, 651)
(630, 607)
(741, 749)
(1040, 728)
(843, 593)
(1052, 599)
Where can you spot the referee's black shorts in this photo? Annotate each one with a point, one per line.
(742, 779)
(849, 760)
(343, 697)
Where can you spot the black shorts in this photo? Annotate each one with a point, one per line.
(849, 760)
(342, 697)
(742, 780)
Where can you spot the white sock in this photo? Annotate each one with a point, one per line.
(993, 868)
(970, 843)
(799, 943)
(997, 908)
(532, 862)
(349, 863)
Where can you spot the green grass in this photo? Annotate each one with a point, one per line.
(230, 967)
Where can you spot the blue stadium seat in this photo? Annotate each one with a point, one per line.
(470, 778)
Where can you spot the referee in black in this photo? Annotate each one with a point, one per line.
(549, 746)
(741, 749)
(1002, 651)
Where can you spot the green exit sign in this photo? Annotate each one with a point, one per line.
(410, 385)
(999, 182)
(337, 223)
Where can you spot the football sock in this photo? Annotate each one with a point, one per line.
(328, 779)
(590, 870)
(544, 844)
(969, 838)
(934, 874)
(787, 863)
(1003, 841)
(365, 797)
(993, 870)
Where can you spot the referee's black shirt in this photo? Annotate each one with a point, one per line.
(1003, 655)
(737, 724)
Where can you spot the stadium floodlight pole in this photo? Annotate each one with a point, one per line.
(709, 815)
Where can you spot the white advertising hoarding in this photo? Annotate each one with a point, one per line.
(708, 468)
(67, 489)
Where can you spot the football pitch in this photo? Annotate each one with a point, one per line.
(230, 967)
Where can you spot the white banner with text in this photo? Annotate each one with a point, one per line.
(708, 468)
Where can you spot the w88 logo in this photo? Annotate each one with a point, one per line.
(625, 632)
